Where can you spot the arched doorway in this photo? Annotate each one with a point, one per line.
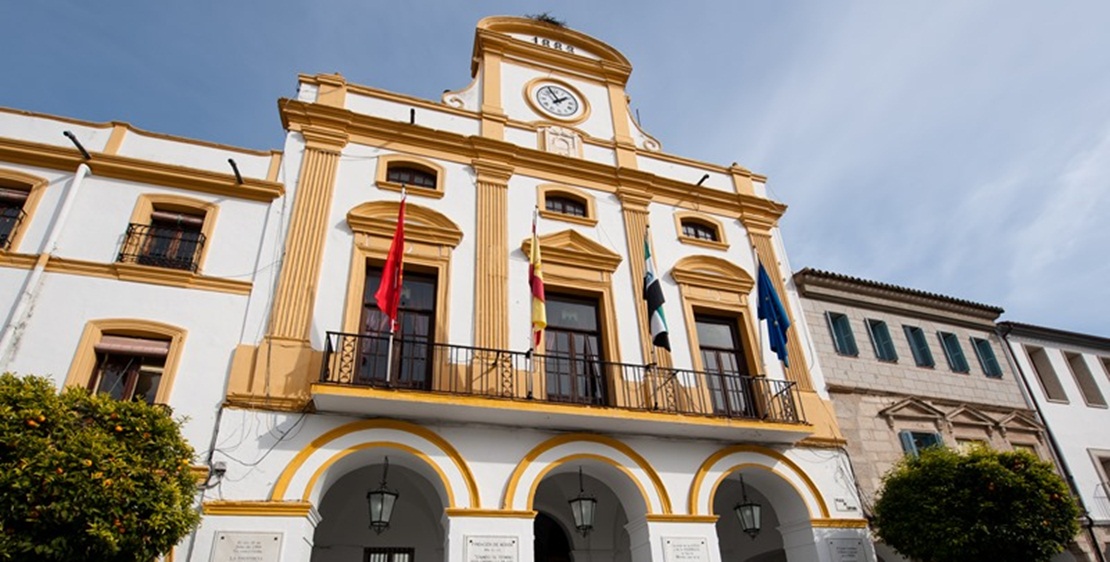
(415, 531)
(551, 543)
(608, 540)
(781, 508)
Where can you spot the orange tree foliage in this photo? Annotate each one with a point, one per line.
(945, 506)
(85, 477)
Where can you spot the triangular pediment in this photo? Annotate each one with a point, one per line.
(568, 247)
(912, 408)
(712, 273)
(965, 415)
(1018, 421)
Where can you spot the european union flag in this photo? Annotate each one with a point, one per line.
(771, 310)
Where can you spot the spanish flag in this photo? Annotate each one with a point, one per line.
(535, 281)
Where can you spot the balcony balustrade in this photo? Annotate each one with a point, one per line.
(354, 360)
(159, 246)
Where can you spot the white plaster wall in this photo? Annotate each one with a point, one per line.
(514, 77)
(397, 111)
(526, 138)
(212, 321)
(1077, 427)
(48, 130)
(684, 172)
(595, 153)
(251, 164)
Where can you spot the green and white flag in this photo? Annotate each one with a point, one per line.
(653, 294)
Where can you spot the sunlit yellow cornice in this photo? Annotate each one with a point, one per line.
(137, 170)
(755, 211)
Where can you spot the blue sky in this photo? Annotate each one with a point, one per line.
(951, 146)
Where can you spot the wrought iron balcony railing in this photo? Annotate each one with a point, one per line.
(425, 366)
(173, 248)
(10, 219)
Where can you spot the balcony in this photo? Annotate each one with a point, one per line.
(468, 384)
(159, 246)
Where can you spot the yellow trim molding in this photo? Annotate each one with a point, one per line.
(84, 358)
(826, 523)
(34, 186)
(557, 441)
(682, 217)
(291, 469)
(374, 445)
(387, 160)
(257, 508)
(588, 456)
(140, 171)
(682, 518)
(135, 273)
(588, 201)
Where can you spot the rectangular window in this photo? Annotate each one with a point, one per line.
(919, 345)
(881, 340)
(913, 442)
(172, 240)
(129, 368)
(967, 445)
(722, 356)
(389, 554)
(1042, 367)
(11, 214)
(842, 336)
(413, 344)
(987, 359)
(953, 352)
(1087, 385)
(574, 360)
(1031, 449)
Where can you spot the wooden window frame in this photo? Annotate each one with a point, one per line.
(870, 324)
(543, 191)
(683, 217)
(975, 343)
(916, 332)
(953, 352)
(84, 360)
(35, 186)
(907, 439)
(838, 345)
(386, 161)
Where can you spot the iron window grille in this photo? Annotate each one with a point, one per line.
(174, 244)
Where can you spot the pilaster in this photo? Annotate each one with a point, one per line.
(634, 211)
(798, 371)
(491, 272)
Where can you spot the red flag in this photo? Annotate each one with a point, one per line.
(389, 292)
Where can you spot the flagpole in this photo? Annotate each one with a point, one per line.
(529, 382)
(651, 345)
(758, 323)
(393, 321)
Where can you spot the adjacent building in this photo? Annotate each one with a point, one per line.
(1068, 377)
(908, 369)
(240, 287)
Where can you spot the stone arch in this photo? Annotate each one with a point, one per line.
(617, 465)
(348, 447)
(796, 496)
(424, 225)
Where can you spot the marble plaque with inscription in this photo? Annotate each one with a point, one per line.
(685, 549)
(247, 547)
(491, 549)
(847, 550)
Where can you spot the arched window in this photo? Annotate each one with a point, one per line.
(700, 230)
(558, 203)
(128, 359)
(409, 175)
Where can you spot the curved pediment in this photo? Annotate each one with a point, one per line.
(422, 224)
(712, 273)
(568, 247)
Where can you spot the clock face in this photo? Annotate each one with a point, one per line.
(557, 100)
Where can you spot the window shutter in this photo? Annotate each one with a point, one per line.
(907, 443)
(178, 218)
(124, 345)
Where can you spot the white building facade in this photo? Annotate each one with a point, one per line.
(269, 339)
(1068, 377)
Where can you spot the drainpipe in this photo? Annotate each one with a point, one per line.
(1088, 523)
(21, 311)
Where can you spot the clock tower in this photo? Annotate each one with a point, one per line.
(545, 86)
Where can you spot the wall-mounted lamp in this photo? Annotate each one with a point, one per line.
(73, 138)
(235, 168)
(583, 507)
(703, 178)
(748, 512)
(381, 503)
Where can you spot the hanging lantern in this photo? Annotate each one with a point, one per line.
(381, 503)
(749, 513)
(583, 507)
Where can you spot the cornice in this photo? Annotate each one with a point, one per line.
(511, 48)
(1054, 335)
(140, 171)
